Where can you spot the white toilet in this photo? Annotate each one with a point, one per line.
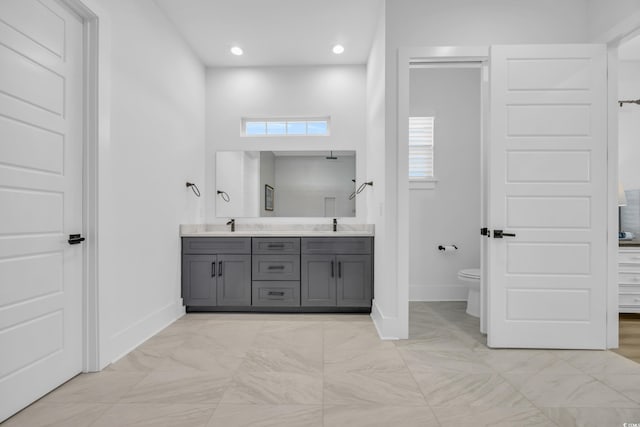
(472, 277)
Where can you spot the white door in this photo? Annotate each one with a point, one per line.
(548, 186)
(40, 200)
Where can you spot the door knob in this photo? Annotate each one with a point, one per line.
(499, 234)
(74, 239)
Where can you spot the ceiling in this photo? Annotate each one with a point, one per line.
(275, 32)
(630, 50)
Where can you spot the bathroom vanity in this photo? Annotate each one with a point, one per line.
(629, 276)
(277, 270)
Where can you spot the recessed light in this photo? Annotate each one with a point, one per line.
(338, 49)
(236, 50)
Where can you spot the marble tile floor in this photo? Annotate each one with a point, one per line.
(332, 370)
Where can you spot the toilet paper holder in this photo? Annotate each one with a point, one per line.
(447, 248)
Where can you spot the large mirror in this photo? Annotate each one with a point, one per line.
(285, 184)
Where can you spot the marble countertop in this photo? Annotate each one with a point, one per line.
(281, 230)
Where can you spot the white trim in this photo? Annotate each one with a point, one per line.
(389, 328)
(134, 335)
(96, 99)
(406, 57)
(444, 292)
(423, 184)
(612, 211)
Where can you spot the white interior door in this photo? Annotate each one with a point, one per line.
(548, 186)
(40, 200)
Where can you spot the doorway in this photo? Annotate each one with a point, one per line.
(547, 153)
(445, 201)
(629, 197)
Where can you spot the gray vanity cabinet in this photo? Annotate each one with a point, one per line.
(336, 272)
(291, 274)
(199, 280)
(234, 280)
(354, 284)
(216, 272)
(318, 286)
(276, 272)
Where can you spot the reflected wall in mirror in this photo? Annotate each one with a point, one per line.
(303, 183)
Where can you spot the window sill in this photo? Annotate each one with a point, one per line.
(423, 184)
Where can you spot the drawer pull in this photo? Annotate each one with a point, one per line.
(275, 245)
(276, 293)
(275, 267)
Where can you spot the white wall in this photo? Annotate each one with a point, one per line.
(629, 125)
(303, 182)
(239, 178)
(411, 23)
(385, 290)
(608, 20)
(156, 143)
(449, 213)
(233, 93)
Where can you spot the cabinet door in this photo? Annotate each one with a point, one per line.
(354, 280)
(199, 280)
(318, 286)
(234, 280)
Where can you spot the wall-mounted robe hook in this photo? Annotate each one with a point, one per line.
(224, 195)
(194, 188)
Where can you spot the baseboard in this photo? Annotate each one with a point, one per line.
(452, 292)
(123, 342)
(387, 327)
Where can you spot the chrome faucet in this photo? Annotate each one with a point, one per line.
(232, 223)
(335, 224)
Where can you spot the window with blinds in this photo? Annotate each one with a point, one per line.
(420, 148)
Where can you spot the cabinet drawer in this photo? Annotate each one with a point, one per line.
(336, 245)
(276, 267)
(629, 277)
(628, 257)
(631, 299)
(276, 294)
(216, 245)
(276, 245)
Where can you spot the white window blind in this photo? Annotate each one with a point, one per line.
(420, 148)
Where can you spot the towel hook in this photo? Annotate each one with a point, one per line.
(224, 195)
(194, 188)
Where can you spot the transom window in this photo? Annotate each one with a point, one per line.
(317, 126)
(420, 148)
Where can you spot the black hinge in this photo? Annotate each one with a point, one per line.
(484, 231)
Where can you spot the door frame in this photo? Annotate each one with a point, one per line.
(454, 54)
(406, 56)
(617, 35)
(95, 133)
